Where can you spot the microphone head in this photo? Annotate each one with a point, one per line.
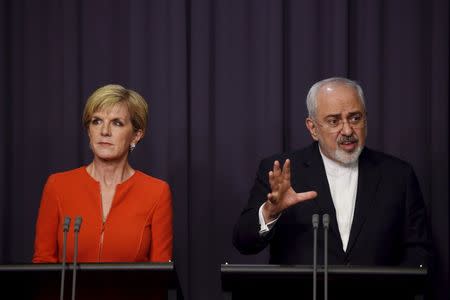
(77, 225)
(326, 220)
(66, 224)
(315, 220)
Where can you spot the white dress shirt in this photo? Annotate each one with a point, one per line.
(343, 183)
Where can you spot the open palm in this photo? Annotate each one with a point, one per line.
(282, 194)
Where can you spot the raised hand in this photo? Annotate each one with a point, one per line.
(282, 195)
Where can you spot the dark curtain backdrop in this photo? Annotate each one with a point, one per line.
(226, 82)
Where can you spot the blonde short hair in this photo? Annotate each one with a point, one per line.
(112, 94)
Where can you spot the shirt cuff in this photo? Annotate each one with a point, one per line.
(265, 228)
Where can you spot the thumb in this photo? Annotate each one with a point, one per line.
(306, 196)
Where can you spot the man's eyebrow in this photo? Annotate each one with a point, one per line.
(339, 115)
(333, 116)
(355, 113)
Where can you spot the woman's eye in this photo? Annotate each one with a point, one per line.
(118, 123)
(95, 121)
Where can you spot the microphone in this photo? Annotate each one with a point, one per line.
(76, 230)
(315, 223)
(66, 227)
(326, 225)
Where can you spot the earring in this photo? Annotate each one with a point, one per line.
(132, 146)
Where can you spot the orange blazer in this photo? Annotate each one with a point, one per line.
(138, 227)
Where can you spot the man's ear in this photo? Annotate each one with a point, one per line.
(312, 128)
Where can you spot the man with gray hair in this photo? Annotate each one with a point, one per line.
(376, 208)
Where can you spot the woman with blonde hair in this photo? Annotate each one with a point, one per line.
(127, 215)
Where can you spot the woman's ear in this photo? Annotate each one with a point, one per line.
(138, 135)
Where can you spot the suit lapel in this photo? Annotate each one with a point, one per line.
(316, 180)
(368, 179)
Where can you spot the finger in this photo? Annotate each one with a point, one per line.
(276, 168)
(274, 182)
(271, 180)
(270, 198)
(306, 196)
(287, 170)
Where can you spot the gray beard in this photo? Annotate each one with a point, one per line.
(346, 158)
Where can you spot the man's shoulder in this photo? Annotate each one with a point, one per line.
(303, 153)
(385, 160)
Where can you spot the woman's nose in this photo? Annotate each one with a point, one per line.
(106, 130)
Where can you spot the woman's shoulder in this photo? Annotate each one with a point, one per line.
(69, 175)
(150, 181)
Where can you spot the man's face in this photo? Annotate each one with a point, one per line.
(339, 123)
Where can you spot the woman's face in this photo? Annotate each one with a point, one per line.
(111, 133)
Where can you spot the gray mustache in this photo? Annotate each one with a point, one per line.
(347, 139)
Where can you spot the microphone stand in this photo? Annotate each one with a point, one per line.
(66, 227)
(315, 223)
(76, 230)
(326, 224)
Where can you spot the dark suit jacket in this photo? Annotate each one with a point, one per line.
(389, 224)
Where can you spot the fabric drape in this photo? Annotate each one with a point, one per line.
(226, 82)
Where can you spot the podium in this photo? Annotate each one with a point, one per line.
(344, 282)
(94, 281)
